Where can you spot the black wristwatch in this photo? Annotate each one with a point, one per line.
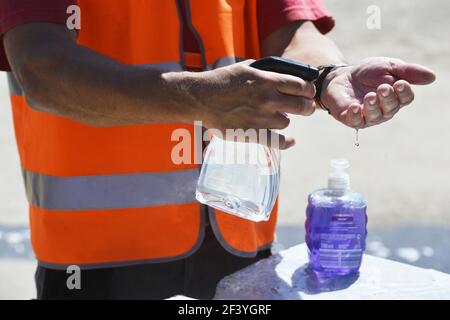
(324, 70)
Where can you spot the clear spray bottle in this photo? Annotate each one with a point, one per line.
(240, 178)
(243, 178)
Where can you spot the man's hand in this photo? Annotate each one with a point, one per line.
(373, 91)
(242, 97)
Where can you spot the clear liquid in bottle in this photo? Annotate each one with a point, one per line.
(240, 178)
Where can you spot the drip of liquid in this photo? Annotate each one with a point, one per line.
(357, 138)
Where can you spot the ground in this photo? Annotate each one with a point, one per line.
(402, 167)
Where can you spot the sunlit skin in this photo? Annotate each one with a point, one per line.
(96, 90)
(373, 91)
(361, 95)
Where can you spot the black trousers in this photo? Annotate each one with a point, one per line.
(195, 276)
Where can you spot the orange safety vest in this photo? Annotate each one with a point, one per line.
(103, 197)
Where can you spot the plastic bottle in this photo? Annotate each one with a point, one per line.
(240, 178)
(336, 225)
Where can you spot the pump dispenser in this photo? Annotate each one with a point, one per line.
(336, 225)
(339, 180)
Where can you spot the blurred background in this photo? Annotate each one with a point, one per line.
(402, 167)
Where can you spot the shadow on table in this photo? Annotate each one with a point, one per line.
(263, 281)
(305, 280)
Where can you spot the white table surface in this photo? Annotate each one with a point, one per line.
(285, 276)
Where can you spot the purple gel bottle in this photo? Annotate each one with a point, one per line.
(336, 226)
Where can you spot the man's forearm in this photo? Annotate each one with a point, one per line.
(63, 78)
(302, 41)
(60, 77)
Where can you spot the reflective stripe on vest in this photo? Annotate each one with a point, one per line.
(103, 197)
(119, 191)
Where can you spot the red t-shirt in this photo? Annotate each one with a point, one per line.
(272, 14)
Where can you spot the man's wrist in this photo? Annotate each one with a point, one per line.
(180, 87)
(327, 73)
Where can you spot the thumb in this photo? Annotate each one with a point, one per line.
(413, 73)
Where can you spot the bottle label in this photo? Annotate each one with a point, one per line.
(336, 237)
(340, 250)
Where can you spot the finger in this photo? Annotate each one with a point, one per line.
(352, 117)
(267, 138)
(286, 142)
(277, 121)
(404, 92)
(388, 100)
(294, 86)
(277, 140)
(372, 111)
(295, 105)
(413, 73)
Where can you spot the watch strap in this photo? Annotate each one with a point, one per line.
(324, 71)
